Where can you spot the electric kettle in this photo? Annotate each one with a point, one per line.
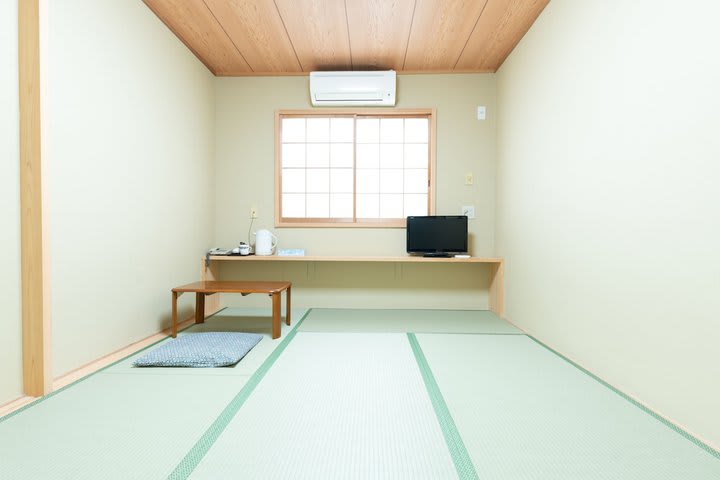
(265, 242)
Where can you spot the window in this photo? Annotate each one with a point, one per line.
(335, 168)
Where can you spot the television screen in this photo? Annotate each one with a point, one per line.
(437, 235)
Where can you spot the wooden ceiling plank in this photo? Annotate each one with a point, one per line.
(291, 37)
(439, 33)
(379, 32)
(257, 31)
(318, 32)
(500, 29)
(194, 24)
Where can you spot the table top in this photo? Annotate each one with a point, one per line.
(357, 258)
(217, 286)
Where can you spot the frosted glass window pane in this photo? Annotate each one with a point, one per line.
(341, 130)
(318, 180)
(391, 130)
(293, 130)
(293, 155)
(341, 180)
(318, 205)
(341, 154)
(391, 181)
(416, 130)
(416, 155)
(391, 206)
(334, 167)
(293, 205)
(391, 155)
(368, 156)
(416, 204)
(368, 206)
(416, 181)
(293, 180)
(318, 155)
(318, 130)
(367, 130)
(341, 205)
(368, 181)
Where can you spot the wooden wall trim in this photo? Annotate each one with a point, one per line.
(37, 378)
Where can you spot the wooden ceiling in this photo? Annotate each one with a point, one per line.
(290, 37)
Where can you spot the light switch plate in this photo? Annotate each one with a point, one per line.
(481, 112)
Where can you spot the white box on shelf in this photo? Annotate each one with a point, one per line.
(291, 252)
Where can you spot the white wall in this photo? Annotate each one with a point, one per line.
(245, 178)
(10, 320)
(608, 168)
(130, 146)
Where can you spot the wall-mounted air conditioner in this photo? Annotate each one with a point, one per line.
(352, 88)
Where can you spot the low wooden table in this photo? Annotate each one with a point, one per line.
(202, 289)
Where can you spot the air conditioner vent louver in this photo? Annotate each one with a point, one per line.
(352, 88)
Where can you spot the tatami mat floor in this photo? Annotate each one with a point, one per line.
(352, 394)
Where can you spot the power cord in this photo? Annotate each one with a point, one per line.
(249, 229)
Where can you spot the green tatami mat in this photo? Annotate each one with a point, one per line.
(113, 427)
(335, 406)
(525, 413)
(228, 320)
(400, 321)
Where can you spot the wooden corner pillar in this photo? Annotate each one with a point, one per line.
(497, 288)
(37, 377)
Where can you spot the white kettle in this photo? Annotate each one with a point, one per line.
(265, 242)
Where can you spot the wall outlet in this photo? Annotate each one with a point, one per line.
(481, 112)
(468, 211)
(468, 179)
(253, 212)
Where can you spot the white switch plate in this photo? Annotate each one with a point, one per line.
(481, 112)
(468, 211)
(468, 178)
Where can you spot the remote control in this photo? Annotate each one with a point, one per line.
(462, 256)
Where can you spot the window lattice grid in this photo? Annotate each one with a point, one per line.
(354, 168)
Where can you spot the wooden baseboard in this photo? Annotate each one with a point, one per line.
(94, 366)
(16, 404)
(103, 362)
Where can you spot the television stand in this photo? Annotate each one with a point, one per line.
(437, 255)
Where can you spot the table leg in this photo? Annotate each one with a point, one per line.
(174, 314)
(199, 307)
(276, 315)
(287, 306)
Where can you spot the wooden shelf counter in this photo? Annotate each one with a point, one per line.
(496, 300)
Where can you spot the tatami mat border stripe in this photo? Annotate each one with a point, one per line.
(206, 441)
(418, 333)
(642, 407)
(466, 333)
(82, 379)
(463, 464)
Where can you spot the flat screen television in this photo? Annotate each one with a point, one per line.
(438, 235)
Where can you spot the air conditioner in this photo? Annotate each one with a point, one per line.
(334, 89)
